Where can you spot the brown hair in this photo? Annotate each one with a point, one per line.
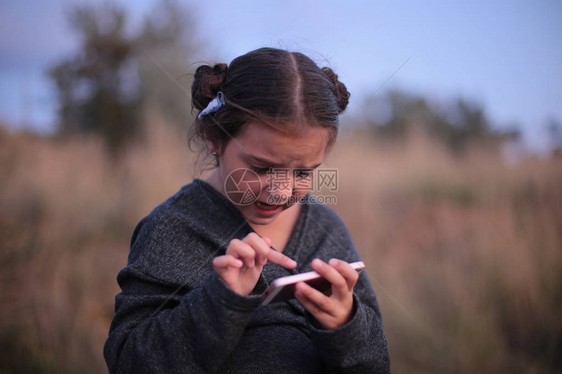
(285, 90)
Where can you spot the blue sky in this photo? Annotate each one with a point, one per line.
(506, 55)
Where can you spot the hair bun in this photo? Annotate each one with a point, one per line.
(340, 90)
(206, 84)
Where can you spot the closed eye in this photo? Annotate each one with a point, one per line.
(303, 173)
(259, 170)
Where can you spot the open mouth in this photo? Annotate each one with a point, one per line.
(266, 206)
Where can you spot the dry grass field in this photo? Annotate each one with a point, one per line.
(465, 253)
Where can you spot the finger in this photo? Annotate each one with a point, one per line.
(259, 245)
(263, 258)
(339, 284)
(313, 300)
(347, 272)
(267, 241)
(268, 253)
(280, 259)
(309, 305)
(242, 251)
(226, 261)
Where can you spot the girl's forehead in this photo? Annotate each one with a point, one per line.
(264, 142)
(255, 132)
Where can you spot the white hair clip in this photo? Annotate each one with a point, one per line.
(213, 106)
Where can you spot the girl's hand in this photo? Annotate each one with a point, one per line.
(335, 310)
(241, 266)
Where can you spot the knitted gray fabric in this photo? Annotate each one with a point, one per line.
(175, 314)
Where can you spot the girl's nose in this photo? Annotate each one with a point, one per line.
(280, 184)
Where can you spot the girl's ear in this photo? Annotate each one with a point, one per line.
(212, 147)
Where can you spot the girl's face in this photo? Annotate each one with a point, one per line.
(264, 172)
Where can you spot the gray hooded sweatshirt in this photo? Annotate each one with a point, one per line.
(175, 315)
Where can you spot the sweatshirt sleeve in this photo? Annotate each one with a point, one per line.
(359, 346)
(195, 332)
(160, 327)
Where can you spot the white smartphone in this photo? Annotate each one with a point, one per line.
(284, 288)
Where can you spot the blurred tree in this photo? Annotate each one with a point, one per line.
(116, 77)
(92, 86)
(457, 124)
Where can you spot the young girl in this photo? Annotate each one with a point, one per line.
(190, 300)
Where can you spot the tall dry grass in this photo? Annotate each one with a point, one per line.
(464, 253)
(67, 214)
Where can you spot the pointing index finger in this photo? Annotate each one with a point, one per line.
(277, 257)
(280, 259)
